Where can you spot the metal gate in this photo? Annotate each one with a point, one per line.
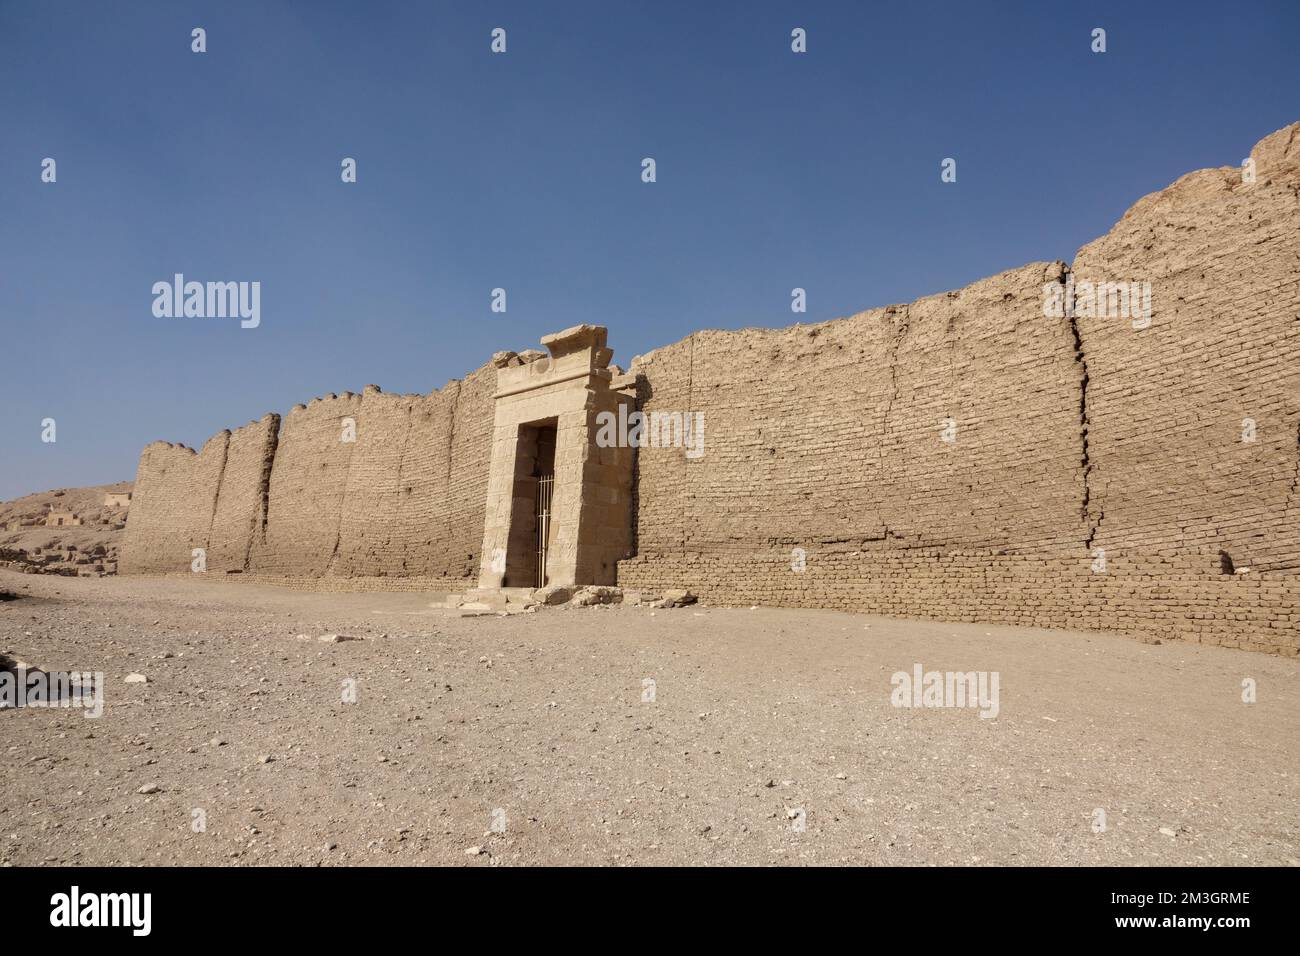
(545, 490)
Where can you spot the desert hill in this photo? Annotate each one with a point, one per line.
(28, 543)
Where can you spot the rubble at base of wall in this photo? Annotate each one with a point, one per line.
(483, 601)
(66, 561)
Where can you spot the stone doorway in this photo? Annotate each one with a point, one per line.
(533, 508)
(548, 412)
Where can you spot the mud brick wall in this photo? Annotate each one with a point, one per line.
(1166, 404)
(417, 485)
(1157, 598)
(307, 482)
(468, 459)
(1074, 436)
(240, 511)
(392, 480)
(293, 501)
(833, 434)
(1072, 439)
(215, 500)
(175, 496)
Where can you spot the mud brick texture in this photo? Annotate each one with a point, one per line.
(404, 498)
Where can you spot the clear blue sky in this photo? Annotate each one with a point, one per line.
(522, 171)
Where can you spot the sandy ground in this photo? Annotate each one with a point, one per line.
(762, 721)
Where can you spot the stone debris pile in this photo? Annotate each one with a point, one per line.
(504, 601)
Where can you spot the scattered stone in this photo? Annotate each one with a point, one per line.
(136, 679)
(678, 598)
(553, 594)
(597, 594)
(149, 788)
(336, 638)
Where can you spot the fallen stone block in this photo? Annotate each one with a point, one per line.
(597, 594)
(676, 598)
(480, 598)
(553, 594)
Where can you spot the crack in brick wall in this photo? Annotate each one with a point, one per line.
(1080, 357)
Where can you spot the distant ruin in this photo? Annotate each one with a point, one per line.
(987, 454)
(61, 518)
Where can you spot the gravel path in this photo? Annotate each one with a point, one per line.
(771, 737)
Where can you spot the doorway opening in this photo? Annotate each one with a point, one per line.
(531, 518)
